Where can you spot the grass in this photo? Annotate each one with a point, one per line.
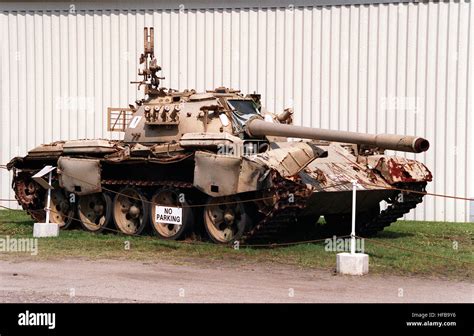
(390, 251)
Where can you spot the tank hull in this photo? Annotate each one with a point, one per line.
(284, 200)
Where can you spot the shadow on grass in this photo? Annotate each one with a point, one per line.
(17, 218)
(323, 231)
(392, 235)
(294, 234)
(21, 222)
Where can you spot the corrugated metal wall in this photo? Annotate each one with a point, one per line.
(397, 68)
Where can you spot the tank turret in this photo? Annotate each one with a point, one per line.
(166, 115)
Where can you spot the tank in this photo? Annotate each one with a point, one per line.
(217, 163)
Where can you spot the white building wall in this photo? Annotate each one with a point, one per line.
(395, 68)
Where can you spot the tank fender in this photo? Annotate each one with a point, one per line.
(79, 176)
(289, 160)
(222, 175)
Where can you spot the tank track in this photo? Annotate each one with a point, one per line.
(146, 183)
(284, 213)
(396, 209)
(276, 223)
(29, 196)
(271, 229)
(272, 226)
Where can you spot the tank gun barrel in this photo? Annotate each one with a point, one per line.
(404, 143)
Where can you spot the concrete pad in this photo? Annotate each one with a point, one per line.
(45, 230)
(352, 264)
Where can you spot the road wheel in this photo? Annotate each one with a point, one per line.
(225, 219)
(130, 211)
(62, 211)
(95, 211)
(166, 229)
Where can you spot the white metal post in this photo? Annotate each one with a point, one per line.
(353, 263)
(48, 202)
(354, 190)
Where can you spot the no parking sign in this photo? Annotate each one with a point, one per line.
(168, 215)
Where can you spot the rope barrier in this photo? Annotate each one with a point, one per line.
(415, 251)
(272, 245)
(254, 200)
(7, 208)
(419, 192)
(293, 243)
(198, 242)
(105, 228)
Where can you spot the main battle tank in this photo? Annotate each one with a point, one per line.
(217, 162)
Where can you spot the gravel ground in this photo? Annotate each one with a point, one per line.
(78, 280)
